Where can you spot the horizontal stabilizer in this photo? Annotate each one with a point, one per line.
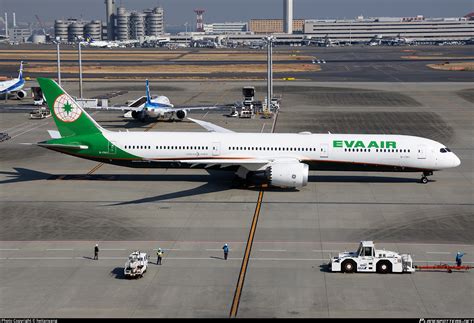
(75, 147)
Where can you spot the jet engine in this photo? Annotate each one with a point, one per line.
(291, 175)
(139, 115)
(294, 175)
(20, 94)
(181, 114)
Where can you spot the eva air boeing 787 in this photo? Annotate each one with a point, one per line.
(280, 159)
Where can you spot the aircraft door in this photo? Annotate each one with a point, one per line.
(112, 149)
(323, 151)
(421, 152)
(216, 148)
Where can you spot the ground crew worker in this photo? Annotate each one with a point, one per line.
(96, 252)
(226, 251)
(159, 255)
(458, 258)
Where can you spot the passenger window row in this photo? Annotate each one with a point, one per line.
(169, 147)
(273, 148)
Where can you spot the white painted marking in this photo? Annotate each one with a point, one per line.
(113, 249)
(438, 252)
(59, 249)
(443, 262)
(215, 249)
(164, 249)
(31, 129)
(38, 258)
(202, 258)
(9, 249)
(325, 250)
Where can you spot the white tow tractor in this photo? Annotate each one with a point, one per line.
(136, 265)
(371, 260)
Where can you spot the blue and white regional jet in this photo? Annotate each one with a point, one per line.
(14, 86)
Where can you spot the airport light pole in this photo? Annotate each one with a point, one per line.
(80, 70)
(58, 39)
(269, 73)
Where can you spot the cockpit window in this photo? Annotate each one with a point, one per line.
(445, 150)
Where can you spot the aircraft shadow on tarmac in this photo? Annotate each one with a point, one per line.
(215, 181)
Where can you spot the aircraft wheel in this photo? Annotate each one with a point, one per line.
(424, 179)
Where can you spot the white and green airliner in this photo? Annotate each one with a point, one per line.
(279, 159)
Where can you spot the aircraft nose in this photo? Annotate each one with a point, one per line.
(456, 161)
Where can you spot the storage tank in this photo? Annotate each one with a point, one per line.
(122, 30)
(38, 39)
(75, 31)
(60, 29)
(94, 29)
(137, 25)
(154, 22)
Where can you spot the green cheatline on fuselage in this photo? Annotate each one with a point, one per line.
(361, 144)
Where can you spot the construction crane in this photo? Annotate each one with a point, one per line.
(41, 24)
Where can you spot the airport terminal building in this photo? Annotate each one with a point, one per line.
(416, 28)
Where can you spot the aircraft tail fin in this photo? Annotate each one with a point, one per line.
(20, 75)
(148, 98)
(69, 116)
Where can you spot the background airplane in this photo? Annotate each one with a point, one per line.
(158, 107)
(100, 43)
(14, 86)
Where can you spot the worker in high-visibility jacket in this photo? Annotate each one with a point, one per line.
(458, 258)
(159, 255)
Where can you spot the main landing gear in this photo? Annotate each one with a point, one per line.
(424, 177)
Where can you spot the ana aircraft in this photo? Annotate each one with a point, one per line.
(14, 86)
(159, 107)
(282, 159)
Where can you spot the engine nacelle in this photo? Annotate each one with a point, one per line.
(21, 94)
(138, 115)
(181, 114)
(294, 175)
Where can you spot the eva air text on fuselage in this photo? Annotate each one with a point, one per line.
(361, 144)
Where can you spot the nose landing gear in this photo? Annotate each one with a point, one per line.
(424, 177)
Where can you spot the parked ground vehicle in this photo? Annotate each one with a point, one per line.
(369, 259)
(136, 264)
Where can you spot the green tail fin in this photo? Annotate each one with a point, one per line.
(70, 118)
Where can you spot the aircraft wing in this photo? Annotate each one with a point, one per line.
(189, 108)
(248, 163)
(251, 164)
(125, 108)
(210, 126)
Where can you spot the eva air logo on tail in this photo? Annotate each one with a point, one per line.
(66, 109)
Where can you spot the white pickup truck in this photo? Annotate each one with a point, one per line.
(136, 265)
(368, 259)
